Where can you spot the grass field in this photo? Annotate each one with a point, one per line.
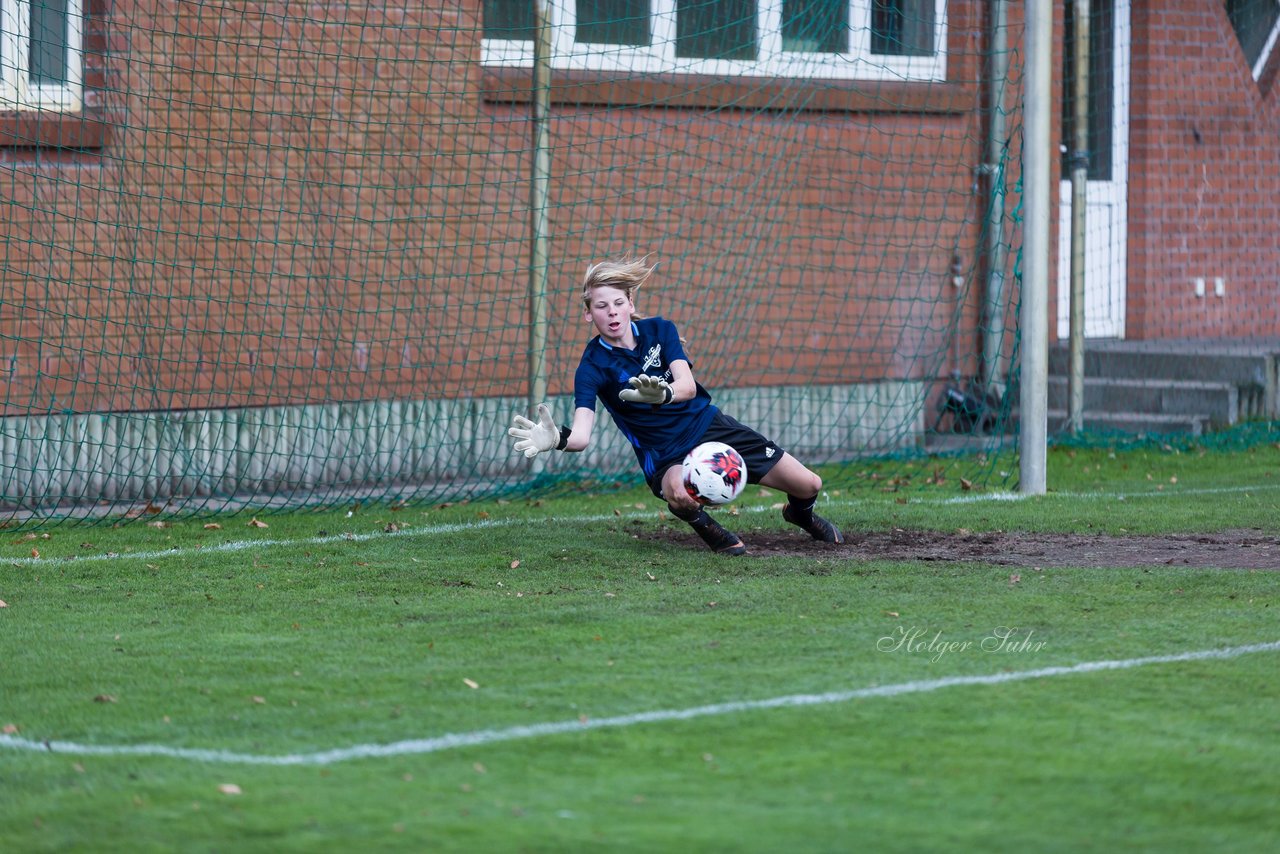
(553, 675)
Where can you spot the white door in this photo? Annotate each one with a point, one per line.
(1106, 217)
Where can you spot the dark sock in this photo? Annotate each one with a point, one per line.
(697, 518)
(801, 508)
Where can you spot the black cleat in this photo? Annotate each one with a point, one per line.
(721, 540)
(820, 529)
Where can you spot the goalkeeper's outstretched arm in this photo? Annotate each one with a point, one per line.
(584, 422)
(538, 437)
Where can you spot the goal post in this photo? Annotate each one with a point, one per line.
(1033, 431)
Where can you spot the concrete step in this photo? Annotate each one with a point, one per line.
(1239, 366)
(1138, 423)
(1219, 401)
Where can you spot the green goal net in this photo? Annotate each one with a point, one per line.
(283, 254)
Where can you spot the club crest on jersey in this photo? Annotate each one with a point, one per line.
(653, 358)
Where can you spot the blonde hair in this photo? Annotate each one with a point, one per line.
(625, 274)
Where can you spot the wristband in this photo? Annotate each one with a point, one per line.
(668, 396)
(564, 438)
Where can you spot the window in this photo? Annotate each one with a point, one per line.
(1256, 23)
(40, 55)
(1101, 92)
(841, 39)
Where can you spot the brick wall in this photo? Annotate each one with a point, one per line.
(289, 208)
(1204, 196)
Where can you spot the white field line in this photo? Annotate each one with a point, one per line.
(413, 747)
(1114, 496)
(481, 524)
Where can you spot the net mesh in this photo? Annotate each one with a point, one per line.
(289, 254)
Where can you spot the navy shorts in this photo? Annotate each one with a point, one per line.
(760, 454)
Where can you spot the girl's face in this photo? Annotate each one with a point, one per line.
(610, 309)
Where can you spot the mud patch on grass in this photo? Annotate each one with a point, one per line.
(1244, 549)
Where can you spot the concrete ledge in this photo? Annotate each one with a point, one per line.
(298, 455)
(1138, 423)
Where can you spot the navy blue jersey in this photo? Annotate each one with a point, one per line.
(657, 433)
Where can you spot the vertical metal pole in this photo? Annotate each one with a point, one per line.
(1079, 207)
(993, 340)
(1033, 316)
(539, 182)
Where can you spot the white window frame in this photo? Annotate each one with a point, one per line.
(659, 56)
(17, 92)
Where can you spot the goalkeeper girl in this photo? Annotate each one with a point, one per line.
(638, 369)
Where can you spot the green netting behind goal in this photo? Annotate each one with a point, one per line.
(285, 254)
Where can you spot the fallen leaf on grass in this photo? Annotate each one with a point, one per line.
(261, 701)
(1014, 579)
(104, 698)
(10, 729)
(35, 553)
(471, 683)
(229, 788)
(3, 604)
(515, 564)
(255, 522)
(213, 526)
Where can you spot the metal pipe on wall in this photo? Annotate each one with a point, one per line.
(1079, 205)
(539, 185)
(993, 311)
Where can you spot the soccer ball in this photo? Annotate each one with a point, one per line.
(714, 473)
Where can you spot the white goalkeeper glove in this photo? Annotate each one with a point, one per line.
(647, 389)
(533, 439)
